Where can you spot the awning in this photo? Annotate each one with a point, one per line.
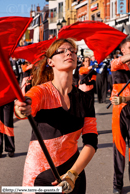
(119, 27)
(127, 28)
(81, 44)
(123, 28)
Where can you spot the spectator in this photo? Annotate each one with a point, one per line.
(87, 77)
(27, 77)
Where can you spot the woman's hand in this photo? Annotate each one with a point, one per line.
(68, 181)
(116, 100)
(23, 109)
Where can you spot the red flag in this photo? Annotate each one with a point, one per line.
(33, 52)
(11, 31)
(101, 38)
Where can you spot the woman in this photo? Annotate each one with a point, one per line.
(26, 82)
(87, 77)
(62, 112)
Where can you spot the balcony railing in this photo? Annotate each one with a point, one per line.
(53, 20)
(60, 15)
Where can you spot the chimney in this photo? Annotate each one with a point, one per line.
(38, 8)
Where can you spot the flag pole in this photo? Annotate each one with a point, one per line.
(42, 144)
(9, 74)
(87, 75)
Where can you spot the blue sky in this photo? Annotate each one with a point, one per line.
(19, 7)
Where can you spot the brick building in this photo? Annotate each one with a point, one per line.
(38, 29)
(115, 19)
(70, 12)
(96, 10)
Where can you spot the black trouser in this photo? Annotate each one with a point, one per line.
(6, 127)
(46, 178)
(119, 146)
(101, 87)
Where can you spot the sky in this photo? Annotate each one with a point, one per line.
(19, 7)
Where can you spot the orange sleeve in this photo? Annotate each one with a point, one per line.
(24, 68)
(117, 64)
(36, 94)
(93, 77)
(29, 67)
(90, 125)
(83, 70)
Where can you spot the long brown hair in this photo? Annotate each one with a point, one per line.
(43, 73)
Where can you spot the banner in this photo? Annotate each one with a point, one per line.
(121, 6)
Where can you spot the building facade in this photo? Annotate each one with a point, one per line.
(56, 14)
(116, 19)
(45, 21)
(70, 12)
(38, 29)
(96, 10)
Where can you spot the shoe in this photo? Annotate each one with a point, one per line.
(117, 191)
(0, 155)
(10, 154)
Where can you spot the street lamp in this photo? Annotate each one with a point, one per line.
(63, 22)
(59, 25)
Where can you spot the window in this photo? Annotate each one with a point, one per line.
(53, 31)
(75, 18)
(52, 15)
(60, 8)
(112, 9)
(93, 17)
(85, 17)
(68, 21)
(98, 15)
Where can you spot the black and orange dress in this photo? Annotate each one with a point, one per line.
(27, 78)
(87, 80)
(60, 130)
(120, 120)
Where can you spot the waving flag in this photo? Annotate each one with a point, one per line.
(11, 31)
(9, 88)
(99, 37)
(33, 52)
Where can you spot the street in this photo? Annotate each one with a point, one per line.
(99, 171)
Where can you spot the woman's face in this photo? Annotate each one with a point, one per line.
(65, 58)
(86, 62)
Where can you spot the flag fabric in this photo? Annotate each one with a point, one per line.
(101, 38)
(33, 52)
(9, 87)
(11, 31)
